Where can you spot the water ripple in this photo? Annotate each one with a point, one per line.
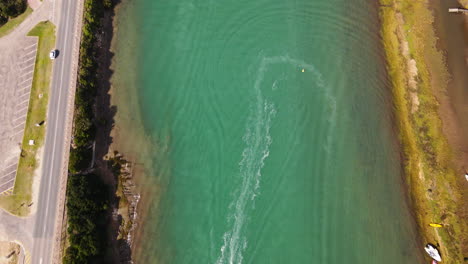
(258, 139)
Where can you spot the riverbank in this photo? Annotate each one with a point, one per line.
(96, 177)
(417, 68)
(118, 169)
(115, 169)
(128, 134)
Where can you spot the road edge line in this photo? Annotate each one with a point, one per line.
(60, 210)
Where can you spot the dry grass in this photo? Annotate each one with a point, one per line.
(430, 175)
(9, 252)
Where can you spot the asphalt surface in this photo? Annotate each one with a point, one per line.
(16, 74)
(55, 137)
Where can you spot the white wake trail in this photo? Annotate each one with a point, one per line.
(257, 140)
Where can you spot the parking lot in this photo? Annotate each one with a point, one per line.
(16, 73)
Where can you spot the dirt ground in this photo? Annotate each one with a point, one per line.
(9, 253)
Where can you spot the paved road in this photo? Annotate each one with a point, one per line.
(55, 137)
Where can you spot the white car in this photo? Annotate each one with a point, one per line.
(53, 54)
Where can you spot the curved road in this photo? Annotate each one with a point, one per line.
(56, 144)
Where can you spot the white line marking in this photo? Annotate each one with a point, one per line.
(35, 44)
(26, 80)
(6, 182)
(21, 110)
(27, 63)
(21, 124)
(10, 173)
(28, 85)
(30, 59)
(18, 132)
(25, 55)
(27, 67)
(56, 118)
(22, 92)
(19, 117)
(25, 94)
(29, 52)
(14, 164)
(25, 101)
(29, 72)
(13, 170)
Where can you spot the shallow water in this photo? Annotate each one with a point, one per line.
(452, 32)
(269, 132)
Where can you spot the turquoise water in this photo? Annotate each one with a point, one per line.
(269, 132)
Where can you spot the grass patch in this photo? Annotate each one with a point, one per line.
(14, 22)
(18, 202)
(427, 154)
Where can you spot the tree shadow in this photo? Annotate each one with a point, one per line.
(118, 250)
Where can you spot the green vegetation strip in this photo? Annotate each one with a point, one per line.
(14, 22)
(427, 154)
(86, 207)
(87, 195)
(18, 203)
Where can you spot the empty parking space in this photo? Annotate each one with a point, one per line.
(16, 74)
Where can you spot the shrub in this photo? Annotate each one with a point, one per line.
(12, 8)
(86, 207)
(87, 195)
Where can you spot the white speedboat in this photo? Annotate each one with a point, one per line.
(433, 252)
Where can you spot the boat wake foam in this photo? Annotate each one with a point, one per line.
(257, 140)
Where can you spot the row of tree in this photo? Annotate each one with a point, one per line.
(11, 9)
(87, 195)
(84, 128)
(87, 204)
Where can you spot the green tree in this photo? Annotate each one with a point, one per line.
(12, 8)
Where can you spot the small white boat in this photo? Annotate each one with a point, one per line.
(466, 176)
(433, 252)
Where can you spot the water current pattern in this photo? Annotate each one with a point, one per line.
(257, 139)
(268, 132)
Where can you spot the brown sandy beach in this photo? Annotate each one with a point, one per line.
(426, 57)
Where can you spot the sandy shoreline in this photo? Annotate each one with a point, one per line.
(128, 134)
(430, 134)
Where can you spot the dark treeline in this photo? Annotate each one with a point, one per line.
(87, 195)
(87, 204)
(10, 9)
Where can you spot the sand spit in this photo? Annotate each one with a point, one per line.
(428, 133)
